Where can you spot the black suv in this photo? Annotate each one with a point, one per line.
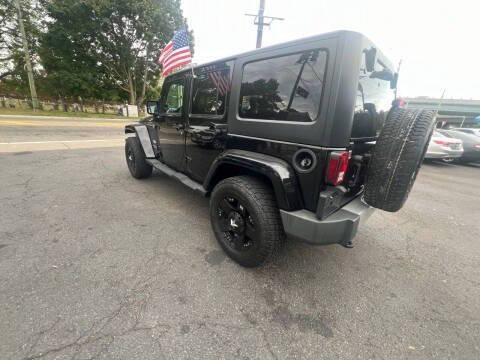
(299, 139)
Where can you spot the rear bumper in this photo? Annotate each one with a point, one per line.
(338, 228)
(444, 154)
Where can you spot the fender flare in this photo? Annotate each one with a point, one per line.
(278, 171)
(140, 131)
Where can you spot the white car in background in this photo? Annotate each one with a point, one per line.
(471, 131)
(444, 148)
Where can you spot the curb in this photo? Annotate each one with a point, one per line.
(65, 117)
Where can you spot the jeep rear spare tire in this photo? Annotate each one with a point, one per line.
(397, 157)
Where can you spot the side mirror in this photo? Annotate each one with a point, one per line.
(152, 107)
(370, 58)
(384, 74)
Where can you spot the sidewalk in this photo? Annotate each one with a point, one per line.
(76, 118)
(30, 146)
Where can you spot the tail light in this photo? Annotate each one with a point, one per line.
(442, 142)
(337, 167)
(477, 146)
(399, 102)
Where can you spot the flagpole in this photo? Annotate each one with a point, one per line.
(191, 67)
(188, 39)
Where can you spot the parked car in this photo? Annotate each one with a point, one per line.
(444, 148)
(298, 154)
(471, 131)
(471, 145)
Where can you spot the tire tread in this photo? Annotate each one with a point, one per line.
(142, 168)
(397, 157)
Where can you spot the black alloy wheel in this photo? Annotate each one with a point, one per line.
(246, 220)
(130, 159)
(236, 224)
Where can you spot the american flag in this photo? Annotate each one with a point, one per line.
(221, 78)
(176, 53)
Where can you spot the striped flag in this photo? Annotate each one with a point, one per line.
(220, 77)
(176, 53)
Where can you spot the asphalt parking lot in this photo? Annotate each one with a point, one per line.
(97, 265)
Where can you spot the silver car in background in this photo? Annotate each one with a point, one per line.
(471, 131)
(444, 148)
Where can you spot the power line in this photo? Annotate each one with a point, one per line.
(261, 20)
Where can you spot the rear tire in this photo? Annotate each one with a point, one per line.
(246, 220)
(397, 157)
(138, 166)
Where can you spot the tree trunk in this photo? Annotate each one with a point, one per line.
(132, 90)
(144, 80)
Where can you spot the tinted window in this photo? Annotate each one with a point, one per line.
(210, 89)
(174, 98)
(285, 88)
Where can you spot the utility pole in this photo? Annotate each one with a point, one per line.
(31, 81)
(261, 11)
(261, 20)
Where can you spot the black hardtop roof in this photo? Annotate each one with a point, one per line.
(329, 35)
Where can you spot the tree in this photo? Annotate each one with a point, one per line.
(107, 48)
(12, 60)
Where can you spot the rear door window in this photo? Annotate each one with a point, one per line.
(210, 88)
(286, 88)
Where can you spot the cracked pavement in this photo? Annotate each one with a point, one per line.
(97, 265)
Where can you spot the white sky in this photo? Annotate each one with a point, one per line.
(438, 41)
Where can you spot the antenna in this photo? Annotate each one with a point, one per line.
(398, 73)
(440, 102)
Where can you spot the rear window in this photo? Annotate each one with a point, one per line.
(286, 88)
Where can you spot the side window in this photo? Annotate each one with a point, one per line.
(374, 99)
(174, 98)
(210, 89)
(373, 90)
(287, 88)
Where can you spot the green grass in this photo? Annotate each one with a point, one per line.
(7, 111)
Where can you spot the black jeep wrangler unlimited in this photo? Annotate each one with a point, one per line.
(298, 140)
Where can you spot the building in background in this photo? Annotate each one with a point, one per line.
(452, 112)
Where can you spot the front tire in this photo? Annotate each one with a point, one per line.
(138, 166)
(246, 220)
